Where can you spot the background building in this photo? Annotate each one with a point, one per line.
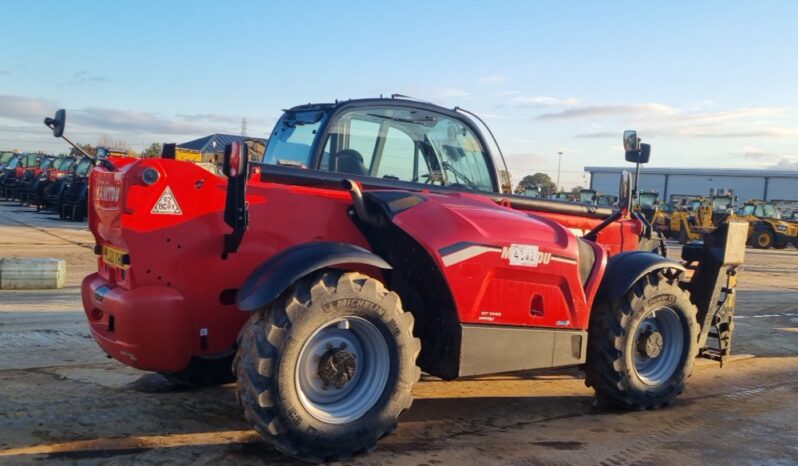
(213, 145)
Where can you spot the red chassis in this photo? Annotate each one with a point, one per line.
(163, 294)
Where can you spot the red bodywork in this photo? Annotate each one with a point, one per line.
(174, 301)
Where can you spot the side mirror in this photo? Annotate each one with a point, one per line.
(645, 153)
(631, 143)
(57, 123)
(639, 156)
(625, 191)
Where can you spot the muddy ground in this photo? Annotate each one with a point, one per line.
(63, 402)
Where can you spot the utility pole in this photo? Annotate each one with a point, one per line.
(244, 126)
(559, 163)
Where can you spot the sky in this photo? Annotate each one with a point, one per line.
(707, 84)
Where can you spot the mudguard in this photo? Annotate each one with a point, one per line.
(275, 275)
(625, 269)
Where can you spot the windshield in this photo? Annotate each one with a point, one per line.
(721, 204)
(767, 211)
(647, 200)
(64, 164)
(586, 196)
(5, 157)
(407, 144)
(292, 139)
(31, 160)
(14, 163)
(46, 163)
(606, 201)
(83, 167)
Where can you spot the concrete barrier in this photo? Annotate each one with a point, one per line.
(32, 274)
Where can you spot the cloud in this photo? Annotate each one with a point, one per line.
(21, 123)
(736, 114)
(83, 77)
(786, 163)
(28, 109)
(451, 92)
(753, 153)
(720, 132)
(5, 72)
(594, 111)
(599, 135)
(656, 119)
(127, 121)
(543, 101)
(209, 117)
(492, 79)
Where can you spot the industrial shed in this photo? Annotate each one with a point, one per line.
(213, 145)
(770, 185)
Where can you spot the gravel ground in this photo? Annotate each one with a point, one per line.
(63, 402)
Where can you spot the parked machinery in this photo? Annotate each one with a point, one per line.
(14, 172)
(766, 228)
(691, 219)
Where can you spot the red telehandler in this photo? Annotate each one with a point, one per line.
(373, 244)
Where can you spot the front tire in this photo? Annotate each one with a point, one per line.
(326, 370)
(642, 347)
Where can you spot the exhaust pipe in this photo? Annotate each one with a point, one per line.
(360, 205)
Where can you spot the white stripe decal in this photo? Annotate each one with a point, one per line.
(467, 253)
(563, 259)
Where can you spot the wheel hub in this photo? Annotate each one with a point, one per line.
(650, 344)
(342, 370)
(337, 367)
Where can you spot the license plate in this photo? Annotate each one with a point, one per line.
(114, 256)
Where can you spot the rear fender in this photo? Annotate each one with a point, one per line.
(274, 276)
(625, 269)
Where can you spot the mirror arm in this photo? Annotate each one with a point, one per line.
(636, 192)
(593, 234)
(49, 123)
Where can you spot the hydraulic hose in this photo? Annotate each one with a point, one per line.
(360, 204)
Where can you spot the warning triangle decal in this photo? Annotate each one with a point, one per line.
(167, 204)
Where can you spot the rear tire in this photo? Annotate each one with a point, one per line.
(326, 370)
(642, 347)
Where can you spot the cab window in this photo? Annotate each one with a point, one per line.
(292, 139)
(407, 144)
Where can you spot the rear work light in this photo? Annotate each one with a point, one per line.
(149, 176)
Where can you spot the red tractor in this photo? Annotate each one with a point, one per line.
(374, 244)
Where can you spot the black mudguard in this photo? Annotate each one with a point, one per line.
(281, 271)
(626, 268)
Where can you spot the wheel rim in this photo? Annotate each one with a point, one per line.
(659, 346)
(764, 239)
(342, 370)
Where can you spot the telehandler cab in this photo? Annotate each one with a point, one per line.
(374, 244)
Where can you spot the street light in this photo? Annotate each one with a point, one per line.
(559, 163)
